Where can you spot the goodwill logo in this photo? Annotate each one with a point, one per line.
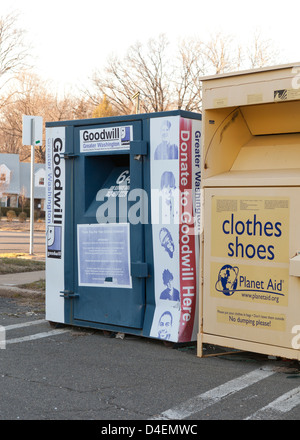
(55, 197)
(105, 139)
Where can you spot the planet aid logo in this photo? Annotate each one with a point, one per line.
(249, 243)
(227, 280)
(261, 285)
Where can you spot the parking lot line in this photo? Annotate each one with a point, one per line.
(24, 324)
(202, 401)
(37, 336)
(283, 404)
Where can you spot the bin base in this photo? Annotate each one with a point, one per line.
(255, 347)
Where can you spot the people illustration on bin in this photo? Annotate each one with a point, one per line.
(166, 241)
(170, 293)
(165, 326)
(165, 150)
(170, 198)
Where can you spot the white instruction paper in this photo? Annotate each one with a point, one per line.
(104, 255)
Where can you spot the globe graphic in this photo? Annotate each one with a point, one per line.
(227, 280)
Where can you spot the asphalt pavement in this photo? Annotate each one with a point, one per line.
(68, 373)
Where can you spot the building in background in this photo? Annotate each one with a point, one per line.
(15, 182)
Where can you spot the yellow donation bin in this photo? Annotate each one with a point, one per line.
(250, 262)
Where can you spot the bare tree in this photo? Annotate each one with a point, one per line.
(29, 99)
(13, 50)
(186, 79)
(144, 69)
(167, 80)
(261, 51)
(224, 53)
(33, 98)
(218, 53)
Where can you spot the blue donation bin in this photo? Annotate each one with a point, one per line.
(123, 210)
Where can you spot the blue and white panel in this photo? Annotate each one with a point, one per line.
(55, 223)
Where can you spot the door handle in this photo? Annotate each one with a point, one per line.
(68, 294)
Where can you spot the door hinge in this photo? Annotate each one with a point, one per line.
(139, 148)
(68, 294)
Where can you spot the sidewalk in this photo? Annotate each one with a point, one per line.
(10, 282)
(16, 279)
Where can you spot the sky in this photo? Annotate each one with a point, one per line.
(70, 39)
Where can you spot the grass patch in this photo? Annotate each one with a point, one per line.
(39, 286)
(16, 265)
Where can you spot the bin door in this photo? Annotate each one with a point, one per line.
(109, 249)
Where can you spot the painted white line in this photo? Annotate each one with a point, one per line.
(202, 401)
(283, 404)
(36, 336)
(24, 324)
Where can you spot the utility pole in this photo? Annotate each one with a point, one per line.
(32, 188)
(32, 135)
